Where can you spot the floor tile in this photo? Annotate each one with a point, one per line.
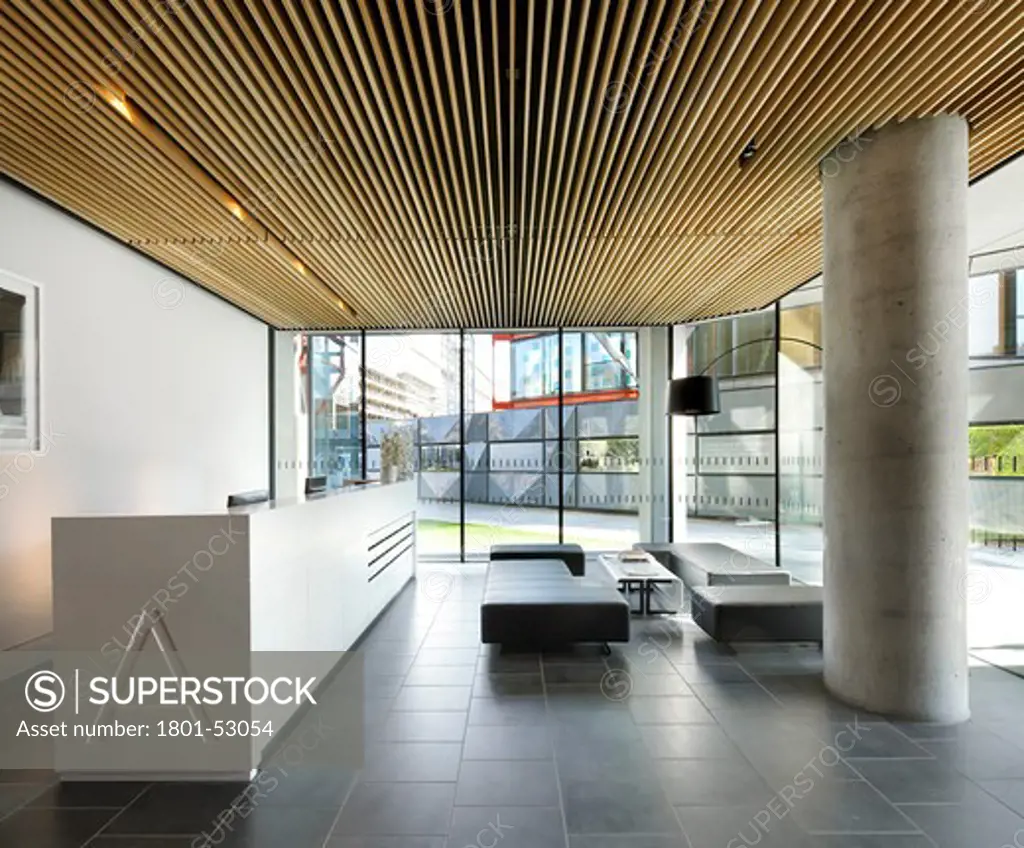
(424, 727)
(447, 657)
(507, 783)
(105, 841)
(873, 841)
(592, 673)
(508, 710)
(455, 639)
(783, 765)
(715, 673)
(980, 756)
(685, 741)
(604, 806)
(384, 686)
(658, 684)
(701, 783)
(439, 675)
(735, 826)
(623, 840)
(874, 739)
(978, 821)
(397, 809)
(507, 827)
(384, 842)
(432, 698)
(414, 762)
(15, 795)
(266, 827)
(52, 828)
(726, 695)
(1010, 792)
(655, 709)
(623, 760)
(647, 660)
(307, 786)
(524, 742)
(498, 685)
(914, 781)
(848, 807)
(924, 731)
(387, 665)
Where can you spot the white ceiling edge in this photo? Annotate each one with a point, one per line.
(995, 210)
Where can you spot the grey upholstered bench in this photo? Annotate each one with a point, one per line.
(714, 564)
(759, 613)
(536, 604)
(571, 555)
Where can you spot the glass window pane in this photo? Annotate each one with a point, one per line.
(729, 487)
(983, 321)
(413, 426)
(610, 361)
(334, 362)
(801, 417)
(13, 367)
(572, 362)
(601, 448)
(509, 489)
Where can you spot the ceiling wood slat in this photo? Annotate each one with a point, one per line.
(484, 163)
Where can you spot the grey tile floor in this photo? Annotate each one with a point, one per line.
(670, 741)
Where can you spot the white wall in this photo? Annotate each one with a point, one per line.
(155, 391)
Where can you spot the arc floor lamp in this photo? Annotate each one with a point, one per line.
(698, 395)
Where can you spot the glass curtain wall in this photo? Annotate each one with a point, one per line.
(731, 492)
(601, 439)
(334, 367)
(801, 419)
(511, 437)
(511, 385)
(412, 428)
(731, 463)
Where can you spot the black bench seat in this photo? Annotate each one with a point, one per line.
(535, 604)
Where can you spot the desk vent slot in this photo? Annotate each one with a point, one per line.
(390, 543)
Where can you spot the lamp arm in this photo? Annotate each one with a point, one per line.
(722, 356)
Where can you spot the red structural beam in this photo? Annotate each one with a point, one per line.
(572, 398)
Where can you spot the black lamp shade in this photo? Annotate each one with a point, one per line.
(693, 396)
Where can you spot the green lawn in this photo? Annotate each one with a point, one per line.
(435, 536)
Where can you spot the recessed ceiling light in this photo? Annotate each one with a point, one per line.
(120, 105)
(236, 210)
(299, 266)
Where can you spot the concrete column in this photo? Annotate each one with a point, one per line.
(896, 500)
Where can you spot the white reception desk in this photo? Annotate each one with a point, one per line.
(304, 575)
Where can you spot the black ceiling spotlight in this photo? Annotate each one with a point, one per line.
(698, 395)
(748, 152)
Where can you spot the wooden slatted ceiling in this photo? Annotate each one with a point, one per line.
(495, 164)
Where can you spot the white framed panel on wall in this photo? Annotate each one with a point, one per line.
(20, 382)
